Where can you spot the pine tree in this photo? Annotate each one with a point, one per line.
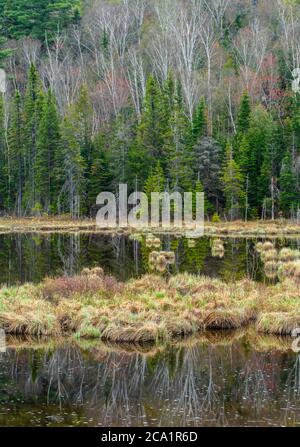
(47, 163)
(15, 159)
(259, 137)
(207, 167)
(243, 121)
(3, 166)
(33, 107)
(152, 129)
(232, 185)
(101, 176)
(199, 124)
(156, 181)
(179, 155)
(199, 188)
(289, 192)
(73, 193)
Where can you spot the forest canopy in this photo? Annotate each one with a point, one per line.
(177, 95)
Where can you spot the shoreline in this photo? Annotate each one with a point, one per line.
(258, 342)
(149, 309)
(259, 229)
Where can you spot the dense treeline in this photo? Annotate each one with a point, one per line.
(194, 96)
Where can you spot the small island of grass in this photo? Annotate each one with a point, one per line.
(149, 309)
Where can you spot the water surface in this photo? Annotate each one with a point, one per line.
(232, 382)
(31, 257)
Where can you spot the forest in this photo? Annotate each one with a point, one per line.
(169, 95)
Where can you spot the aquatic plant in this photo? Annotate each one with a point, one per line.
(159, 261)
(287, 254)
(217, 248)
(271, 269)
(152, 241)
(269, 255)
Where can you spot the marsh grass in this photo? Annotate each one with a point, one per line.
(64, 224)
(149, 309)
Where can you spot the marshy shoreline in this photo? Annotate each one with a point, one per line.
(152, 308)
(63, 224)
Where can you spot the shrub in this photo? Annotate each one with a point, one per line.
(67, 286)
(216, 218)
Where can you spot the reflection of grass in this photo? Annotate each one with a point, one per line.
(99, 349)
(149, 309)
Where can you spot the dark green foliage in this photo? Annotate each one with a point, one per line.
(243, 120)
(3, 173)
(37, 19)
(47, 163)
(207, 167)
(233, 181)
(199, 125)
(289, 189)
(16, 158)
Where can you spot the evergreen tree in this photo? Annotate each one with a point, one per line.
(72, 196)
(48, 164)
(243, 121)
(207, 167)
(259, 137)
(102, 176)
(232, 185)
(179, 159)
(33, 106)
(289, 192)
(199, 124)
(16, 159)
(156, 181)
(37, 18)
(3, 167)
(152, 130)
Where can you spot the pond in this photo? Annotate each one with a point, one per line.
(224, 379)
(216, 380)
(31, 257)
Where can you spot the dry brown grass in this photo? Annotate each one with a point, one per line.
(223, 229)
(148, 309)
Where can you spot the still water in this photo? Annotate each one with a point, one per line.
(31, 257)
(224, 379)
(227, 380)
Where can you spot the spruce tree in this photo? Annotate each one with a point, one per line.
(3, 160)
(156, 182)
(33, 107)
(289, 191)
(232, 185)
(72, 197)
(152, 128)
(259, 138)
(179, 155)
(243, 121)
(199, 124)
(207, 167)
(15, 157)
(48, 164)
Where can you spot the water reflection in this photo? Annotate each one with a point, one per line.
(226, 381)
(31, 257)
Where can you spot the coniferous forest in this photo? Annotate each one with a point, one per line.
(176, 95)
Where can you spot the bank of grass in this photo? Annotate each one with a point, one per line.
(64, 224)
(149, 309)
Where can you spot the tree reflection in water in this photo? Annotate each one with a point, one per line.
(196, 382)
